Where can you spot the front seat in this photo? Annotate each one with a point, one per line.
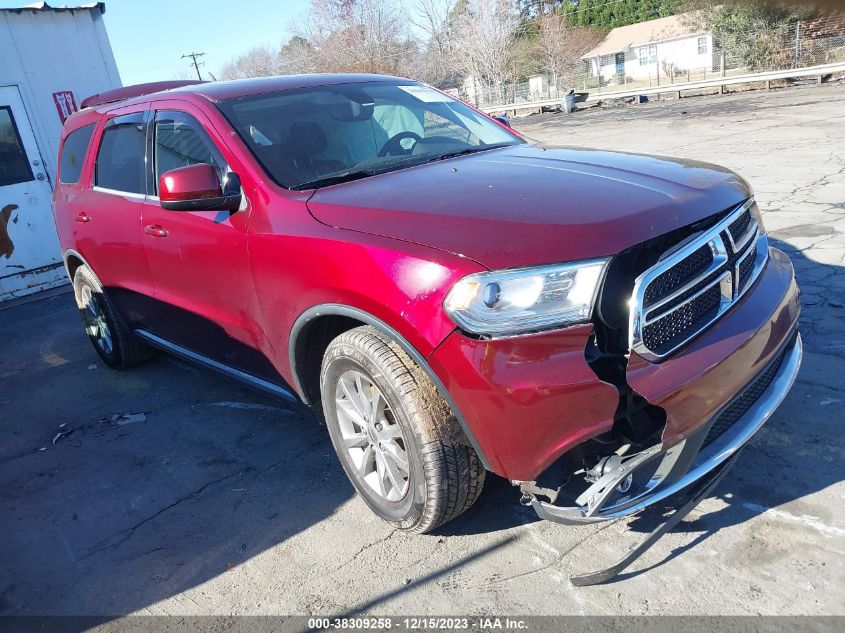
(306, 140)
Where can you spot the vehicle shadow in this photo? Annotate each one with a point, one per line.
(120, 490)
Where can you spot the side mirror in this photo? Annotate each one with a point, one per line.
(504, 120)
(198, 188)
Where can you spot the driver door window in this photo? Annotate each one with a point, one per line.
(180, 141)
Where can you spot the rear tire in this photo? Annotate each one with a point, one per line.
(112, 339)
(397, 439)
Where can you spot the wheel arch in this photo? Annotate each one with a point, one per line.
(73, 260)
(337, 318)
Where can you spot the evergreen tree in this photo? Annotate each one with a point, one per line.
(612, 13)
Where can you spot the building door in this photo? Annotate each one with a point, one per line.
(30, 258)
(620, 67)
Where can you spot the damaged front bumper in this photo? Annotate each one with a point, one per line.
(654, 474)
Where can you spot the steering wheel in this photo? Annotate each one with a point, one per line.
(393, 147)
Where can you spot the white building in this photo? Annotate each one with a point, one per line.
(648, 50)
(52, 58)
(538, 87)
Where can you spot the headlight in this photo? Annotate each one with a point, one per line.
(506, 302)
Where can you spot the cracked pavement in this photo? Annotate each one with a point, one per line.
(224, 501)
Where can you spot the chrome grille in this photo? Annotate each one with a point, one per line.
(668, 331)
(688, 289)
(739, 227)
(679, 275)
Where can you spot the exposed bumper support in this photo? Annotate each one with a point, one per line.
(683, 464)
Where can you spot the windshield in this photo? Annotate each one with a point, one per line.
(314, 137)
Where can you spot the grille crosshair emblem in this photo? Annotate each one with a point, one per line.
(679, 311)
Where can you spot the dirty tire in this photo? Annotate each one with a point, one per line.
(126, 349)
(445, 474)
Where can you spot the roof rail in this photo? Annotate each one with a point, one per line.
(127, 92)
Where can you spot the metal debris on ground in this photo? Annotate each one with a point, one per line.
(122, 419)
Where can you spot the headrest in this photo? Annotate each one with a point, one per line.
(306, 138)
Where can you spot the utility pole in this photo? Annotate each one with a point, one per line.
(193, 57)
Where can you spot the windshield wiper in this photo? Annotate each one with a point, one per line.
(470, 150)
(398, 163)
(335, 179)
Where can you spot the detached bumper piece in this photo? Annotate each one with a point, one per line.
(693, 466)
(700, 491)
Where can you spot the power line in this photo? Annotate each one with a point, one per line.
(193, 57)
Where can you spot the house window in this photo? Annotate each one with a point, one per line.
(648, 55)
(606, 60)
(702, 45)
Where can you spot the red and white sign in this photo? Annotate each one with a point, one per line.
(65, 103)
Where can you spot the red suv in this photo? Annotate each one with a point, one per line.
(602, 329)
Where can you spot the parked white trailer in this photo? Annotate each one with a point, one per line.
(50, 59)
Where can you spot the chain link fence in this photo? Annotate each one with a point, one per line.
(670, 64)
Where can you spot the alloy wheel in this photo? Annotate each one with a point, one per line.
(371, 435)
(96, 325)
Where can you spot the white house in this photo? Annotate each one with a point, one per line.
(648, 50)
(50, 59)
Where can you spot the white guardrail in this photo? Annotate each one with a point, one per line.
(808, 71)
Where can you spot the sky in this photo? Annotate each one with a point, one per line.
(149, 37)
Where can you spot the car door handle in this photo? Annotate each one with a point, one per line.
(83, 217)
(155, 230)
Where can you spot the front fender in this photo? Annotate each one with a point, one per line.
(297, 352)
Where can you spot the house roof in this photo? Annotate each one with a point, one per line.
(623, 38)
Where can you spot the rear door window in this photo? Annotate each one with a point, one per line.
(73, 154)
(120, 160)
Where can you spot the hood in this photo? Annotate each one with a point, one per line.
(532, 204)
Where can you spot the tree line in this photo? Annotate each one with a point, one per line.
(496, 42)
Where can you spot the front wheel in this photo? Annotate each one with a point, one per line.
(397, 438)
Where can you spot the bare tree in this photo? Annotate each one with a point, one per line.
(256, 62)
(484, 43)
(357, 35)
(336, 36)
(485, 34)
(298, 55)
(435, 22)
(560, 47)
